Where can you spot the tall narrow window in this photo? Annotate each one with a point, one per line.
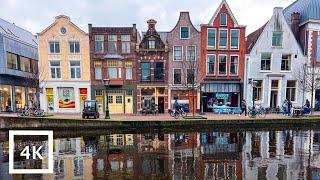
(25, 64)
(129, 70)
(112, 44)
(291, 90)
(55, 69)
(211, 64)
(98, 70)
(12, 61)
(234, 65)
(223, 19)
(54, 47)
(211, 38)
(177, 53)
(191, 53)
(75, 69)
(257, 91)
(152, 44)
(265, 61)
(112, 69)
(158, 71)
(184, 32)
(99, 43)
(234, 39)
(223, 38)
(145, 71)
(125, 43)
(190, 76)
(74, 47)
(286, 62)
(222, 65)
(177, 76)
(277, 39)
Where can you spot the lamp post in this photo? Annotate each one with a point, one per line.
(106, 84)
(253, 85)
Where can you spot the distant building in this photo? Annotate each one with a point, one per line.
(18, 68)
(222, 59)
(64, 67)
(113, 57)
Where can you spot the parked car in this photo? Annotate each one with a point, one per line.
(90, 109)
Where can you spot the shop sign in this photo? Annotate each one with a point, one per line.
(66, 98)
(222, 96)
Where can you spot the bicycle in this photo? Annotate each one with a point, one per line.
(260, 111)
(177, 113)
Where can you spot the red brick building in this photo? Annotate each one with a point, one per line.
(222, 59)
(152, 69)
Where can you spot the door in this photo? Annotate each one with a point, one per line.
(234, 99)
(161, 104)
(129, 104)
(50, 104)
(274, 99)
(99, 100)
(116, 104)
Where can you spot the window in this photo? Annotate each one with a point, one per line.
(177, 76)
(222, 65)
(234, 39)
(99, 39)
(12, 61)
(318, 48)
(25, 64)
(75, 69)
(99, 92)
(177, 53)
(78, 167)
(98, 70)
(286, 63)
(265, 61)
(257, 91)
(112, 69)
(277, 39)
(223, 38)
(291, 90)
(211, 64)
(128, 70)
(234, 65)
(190, 76)
(34, 66)
(110, 99)
(184, 32)
(158, 71)
(74, 47)
(223, 19)
(54, 47)
(112, 43)
(125, 43)
(152, 44)
(119, 99)
(191, 53)
(145, 71)
(55, 69)
(211, 38)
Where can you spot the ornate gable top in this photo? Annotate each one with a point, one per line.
(224, 3)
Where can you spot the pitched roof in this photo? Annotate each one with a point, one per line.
(17, 33)
(253, 38)
(224, 2)
(163, 35)
(308, 9)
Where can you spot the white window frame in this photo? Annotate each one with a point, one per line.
(215, 39)
(233, 47)
(55, 69)
(281, 39)
(74, 47)
(75, 70)
(174, 47)
(270, 62)
(207, 69)
(223, 47)
(225, 55)
(296, 89)
(101, 39)
(262, 90)
(188, 32)
(195, 53)
(279, 90)
(180, 77)
(154, 44)
(54, 41)
(95, 65)
(226, 19)
(234, 55)
(290, 63)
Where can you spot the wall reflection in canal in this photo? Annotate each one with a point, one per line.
(197, 155)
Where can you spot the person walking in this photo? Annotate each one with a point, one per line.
(243, 107)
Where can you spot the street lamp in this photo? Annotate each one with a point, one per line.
(106, 84)
(253, 85)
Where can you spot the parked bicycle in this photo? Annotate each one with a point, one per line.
(257, 111)
(30, 111)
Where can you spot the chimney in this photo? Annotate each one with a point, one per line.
(151, 23)
(90, 28)
(295, 21)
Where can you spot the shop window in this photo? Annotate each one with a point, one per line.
(110, 99)
(277, 39)
(223, 19)
(20, 96)
(211, 64)
(145, 71)
(257, 91)
(222, 65)
(6, 98)
(12, 61)
(233, 65)
(98, 70)
(125, 43)
(152, 44)
(177, 76)
(158, 71)
(75, 69)
(184, 32)
(291, 90)
(234, 39)
(211, 39)
(54, 47)
(286, 63)
(265, 61)
(99, 40)
(128, 70)
(74, 47)
(31, 97)
(55, 69)
(191, 76)
(112, 43)
(177, 53)
(119, 99)
(223, 36)
(191, 53)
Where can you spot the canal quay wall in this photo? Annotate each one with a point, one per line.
(10, 123)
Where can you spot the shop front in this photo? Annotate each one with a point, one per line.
(149, 96)
(220, 94)
(184, 98)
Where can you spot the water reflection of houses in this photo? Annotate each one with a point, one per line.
(281, 155)
(220, 156)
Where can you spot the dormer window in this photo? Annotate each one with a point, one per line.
(152, 44)
(223, 19)
(184, 32)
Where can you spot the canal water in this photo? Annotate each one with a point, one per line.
(287, 154)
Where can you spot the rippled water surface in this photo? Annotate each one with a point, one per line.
(288, 154)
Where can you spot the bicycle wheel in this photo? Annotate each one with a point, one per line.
(183, 114)
(176, 115)
(261, 114)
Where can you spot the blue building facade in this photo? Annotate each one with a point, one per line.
(19, 74)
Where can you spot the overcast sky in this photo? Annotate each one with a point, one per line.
(36, 15)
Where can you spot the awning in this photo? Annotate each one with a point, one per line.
(217, 87)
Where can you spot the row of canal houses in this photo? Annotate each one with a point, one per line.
(201, 67)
